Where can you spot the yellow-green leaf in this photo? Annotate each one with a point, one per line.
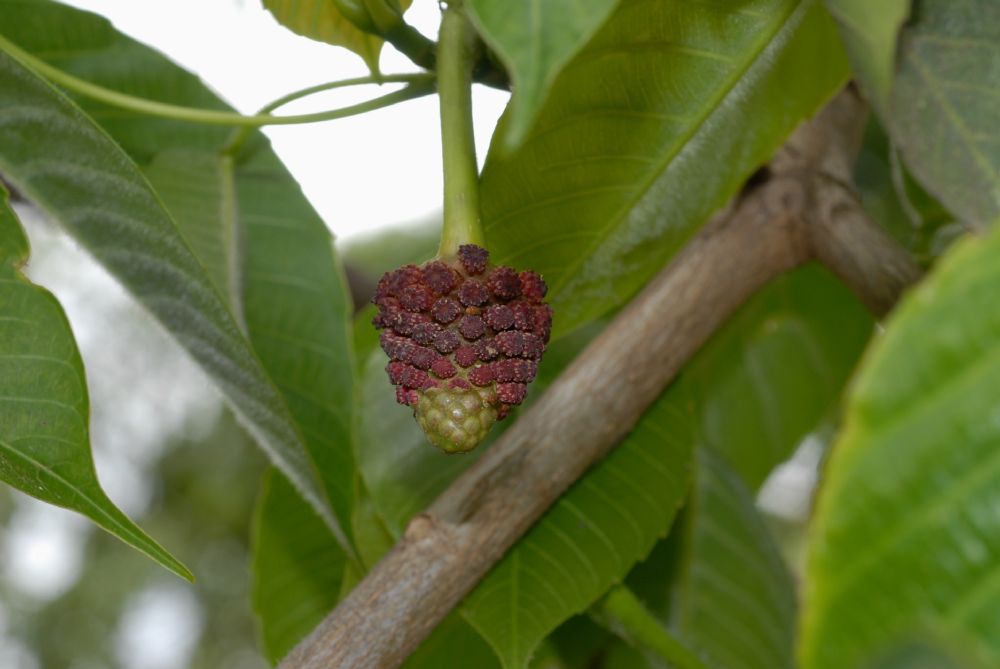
(906, 538)
(334, 22)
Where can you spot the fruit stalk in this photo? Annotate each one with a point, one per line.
(457, 52)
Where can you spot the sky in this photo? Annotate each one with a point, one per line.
(361, 173)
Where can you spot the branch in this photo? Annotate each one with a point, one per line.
(771, 228)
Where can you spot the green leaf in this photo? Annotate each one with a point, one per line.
(776, 370)
(298, 316)
(589, 539)
(332, 21)
(297, 567)
(944, 114)
(869, 30)
(734, 600)
(193, 186)
(535, 39)
(904, 542)
(450, 640)
(653, 126)
(576, 644)
(246, 219)
(896, 201)
(67, 165)
(623, 613)
(14, 248)
(44, 408)
(919, 655)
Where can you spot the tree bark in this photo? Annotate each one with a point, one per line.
(801, 208)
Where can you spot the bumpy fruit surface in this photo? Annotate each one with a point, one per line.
(464, 339)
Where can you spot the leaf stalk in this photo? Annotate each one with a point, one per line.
(457, 54)
(632, 621)
(417, 86)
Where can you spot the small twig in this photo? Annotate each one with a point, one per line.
(801, 210)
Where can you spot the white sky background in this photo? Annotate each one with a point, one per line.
(360, 173)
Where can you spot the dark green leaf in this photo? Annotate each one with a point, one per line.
(589, 538)
(919, 655)
(453, 643)
(869, 30)
(44, 408)
(298, 316)
(535, 39)
(654, 125)
(14, 249)
(734, 600)
(623, 613)
(905, 537)
(576, 644)
(776, 370)
(249, 224)
(195, 187)
(944, 114)
(896, 201)
(297, 567)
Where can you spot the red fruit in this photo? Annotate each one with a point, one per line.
(439, 277)
(447, 341)
(504, 283)
(425, 333)
(422, 357)
(499, 317)
(416, 298)
(473, 258)
(511, 393)
(473, 294)
(481, 375)
(445, 310)
(486, 349)
(532, 285)
(465, 356)
(442, 368)
(472, 327)
(463, 339)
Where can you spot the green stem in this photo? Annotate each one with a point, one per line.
(387, 22)
(456, 56)
(414, 80)
(419, 85)
(626, 616)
